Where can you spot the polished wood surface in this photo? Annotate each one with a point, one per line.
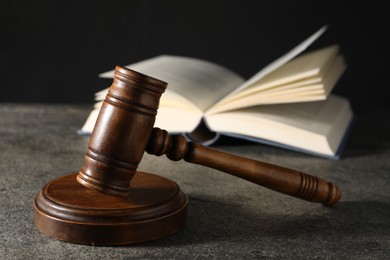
(281, 179)
(121, 132)
(109, 203)
(66, 210)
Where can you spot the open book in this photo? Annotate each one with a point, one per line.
(287, 103)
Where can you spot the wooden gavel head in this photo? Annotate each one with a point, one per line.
(121, 133)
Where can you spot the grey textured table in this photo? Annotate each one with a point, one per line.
(227, 217)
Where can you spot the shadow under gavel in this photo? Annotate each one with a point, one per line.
(114, 198)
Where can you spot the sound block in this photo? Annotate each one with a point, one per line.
(66, 210)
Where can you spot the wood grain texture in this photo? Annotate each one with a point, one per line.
(66, 210)
(109, 203)
(121, 132)
(278, 178)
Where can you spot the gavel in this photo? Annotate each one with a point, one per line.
(123, 132)
(108, 196)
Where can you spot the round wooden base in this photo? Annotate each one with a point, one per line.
(66, 210)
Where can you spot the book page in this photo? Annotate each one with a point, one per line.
(314, 126)
(200, 82)
(315, 87)
(176, 120)
(279, 62)
(312, 64)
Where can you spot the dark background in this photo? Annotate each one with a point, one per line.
(52, 51)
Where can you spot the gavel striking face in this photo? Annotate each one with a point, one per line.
(124, 131)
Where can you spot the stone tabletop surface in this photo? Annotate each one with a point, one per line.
(228, 218)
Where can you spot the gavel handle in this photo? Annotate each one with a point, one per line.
(277, 178)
